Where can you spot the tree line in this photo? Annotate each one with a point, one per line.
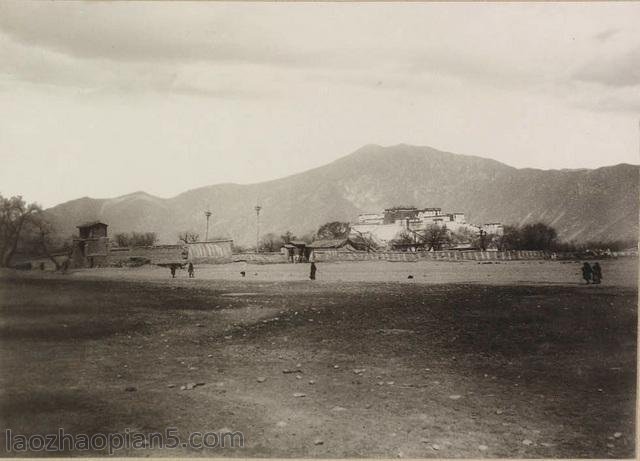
(25, 229)
(535, 236)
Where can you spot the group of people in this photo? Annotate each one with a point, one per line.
(592, 274)
(297, 255)
(190, 270)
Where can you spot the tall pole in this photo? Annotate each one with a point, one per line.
(258, 208)
(206, 234)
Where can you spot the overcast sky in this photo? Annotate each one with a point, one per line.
(103, 99)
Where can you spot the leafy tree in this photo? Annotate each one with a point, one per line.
(510, 239)
(188, 237)
(15, 213)
(333, 230)
(537, 236)
(492, 241)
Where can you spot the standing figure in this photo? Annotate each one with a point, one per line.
(587, 272)
(173, 271)
(190, 270)
(312, 260)
(597, 273)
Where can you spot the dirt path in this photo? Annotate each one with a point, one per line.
(621, 272)
(386, 369)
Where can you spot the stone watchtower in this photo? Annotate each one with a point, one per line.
(91, 247)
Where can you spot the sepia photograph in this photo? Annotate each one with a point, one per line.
(321, 230)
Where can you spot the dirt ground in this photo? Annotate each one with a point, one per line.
(516, 359)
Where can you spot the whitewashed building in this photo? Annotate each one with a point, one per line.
(394, 222)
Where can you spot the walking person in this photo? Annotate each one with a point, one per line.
(313, 269)
(191, 274)
(173, 271)
(587, 272)
(597, 273)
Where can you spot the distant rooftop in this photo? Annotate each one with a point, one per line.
(399, 208)
(91, 224)
(329, 243)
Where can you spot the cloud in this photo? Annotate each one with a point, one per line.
(150, 32)
(21, 64)
(607, 34)
(501, 46)
(629, 103)
(619, 70)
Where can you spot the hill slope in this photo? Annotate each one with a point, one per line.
(580, 204)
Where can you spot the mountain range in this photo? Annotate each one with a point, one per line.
(582, 204)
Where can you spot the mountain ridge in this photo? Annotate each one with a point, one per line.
(583, 204)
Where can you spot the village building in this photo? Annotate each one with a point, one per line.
(330, 247)
(387, 228)
(494, 228)
(296, 251)
(92, 248)
(371, 218)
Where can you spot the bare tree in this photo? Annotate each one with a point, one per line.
(363, 241)
(270, 242)
(136, 239)
(44, 239)
(14, 214)
(308, 237)
(188, 237)
(333, 230)
(146, 239)
(288, 237)
(435, 237)
(404, 239)
(122, 239)
(465, 235)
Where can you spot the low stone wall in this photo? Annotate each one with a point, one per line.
(261, 258)
(42, 263)
(155, 254)
(218, 251)
(199, 253)
(429, 255)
